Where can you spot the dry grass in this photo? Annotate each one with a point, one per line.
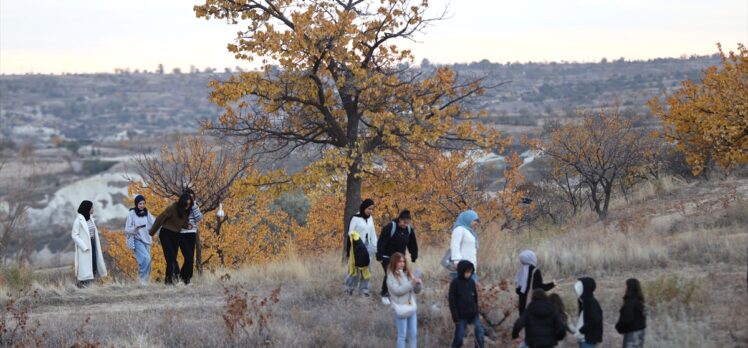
(692, 264)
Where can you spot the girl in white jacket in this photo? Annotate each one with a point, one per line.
(138, 223)
(363, 224)
(89, 261)
(464, 243)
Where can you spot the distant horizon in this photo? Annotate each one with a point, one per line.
(84, 37)
(169, 70)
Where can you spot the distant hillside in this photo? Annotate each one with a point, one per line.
(116, 106)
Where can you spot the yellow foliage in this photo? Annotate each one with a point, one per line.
(709, 120)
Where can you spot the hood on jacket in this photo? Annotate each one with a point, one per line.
(588, 287)
(541, 309)
(462, 267)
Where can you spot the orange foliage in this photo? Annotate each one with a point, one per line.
(709, 120)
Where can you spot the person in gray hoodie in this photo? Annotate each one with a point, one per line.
(139, 221)
(188, 240)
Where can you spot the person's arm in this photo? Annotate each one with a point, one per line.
(130, 227)
(455, 244)
(538, 282)
(519, 325)
(560, 327)
(453, 301)
(384, 239)
(625, 318)
(197, 215)
(373, 240)
(77, 236)
(353, 226)
(160, 220)
(413, 245)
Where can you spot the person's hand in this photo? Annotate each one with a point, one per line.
(189, 226)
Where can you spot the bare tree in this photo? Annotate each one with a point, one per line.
(14, 241)
(209, 169)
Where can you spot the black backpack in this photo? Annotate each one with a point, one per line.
(360, 254)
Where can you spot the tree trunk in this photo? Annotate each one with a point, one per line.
(352, 201)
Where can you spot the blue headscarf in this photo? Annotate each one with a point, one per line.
(464, 220)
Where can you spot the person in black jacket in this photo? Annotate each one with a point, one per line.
(543, 325)
(463, 304)
(529, 272)
(395, 238)
(589, 328)
(632, 320)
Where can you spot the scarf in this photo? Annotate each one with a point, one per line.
(527, 258)
(464, 220)
(85, 209)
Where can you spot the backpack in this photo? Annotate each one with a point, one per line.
(360, 253)
(394, 228)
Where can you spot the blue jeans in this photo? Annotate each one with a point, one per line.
(634, 339)
(461, 328)
(143, 255)
(407, 326)
(587, 345)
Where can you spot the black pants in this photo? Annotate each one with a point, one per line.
(385, 263)
(170, 245)
(187, 247)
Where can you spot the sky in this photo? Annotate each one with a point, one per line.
(87, 36)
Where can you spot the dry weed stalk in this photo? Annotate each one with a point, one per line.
(244, 311)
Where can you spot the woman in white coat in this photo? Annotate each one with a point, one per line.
(363, 224)
(464, 244)
(89, 261)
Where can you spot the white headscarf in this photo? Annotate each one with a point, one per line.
(527, 258)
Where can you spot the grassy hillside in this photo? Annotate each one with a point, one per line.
(685, 241)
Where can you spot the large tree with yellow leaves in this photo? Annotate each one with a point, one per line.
(334, 82)
(708, 121)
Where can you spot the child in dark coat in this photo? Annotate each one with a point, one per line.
(589, 328)
(542, 323)
(463, 304)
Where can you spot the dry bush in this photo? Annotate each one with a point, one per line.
(16, 327)
(674, 290)
(244, 311)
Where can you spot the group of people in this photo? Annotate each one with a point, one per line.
(542, 317)
(176, 227)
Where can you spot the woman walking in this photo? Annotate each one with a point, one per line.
(529, 278)
(632, 321)
(464, 243)
(188, 240)
(89, 261)
(362, 227)
(171, 221)
(139, 221)
(403, 287)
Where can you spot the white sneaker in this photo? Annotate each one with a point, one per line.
(386, 301)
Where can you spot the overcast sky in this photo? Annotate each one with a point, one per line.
(54, 36)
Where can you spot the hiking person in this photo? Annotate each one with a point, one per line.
(529, 278)
(589, 328)
(464, 242)
(543, 325)
(362, 224)
(188, 240)
(170, 222)
(89, 260)
(463, 304)
(139, 221)
(395, 237)
(557, 302)
(632, 321)
(404, 286)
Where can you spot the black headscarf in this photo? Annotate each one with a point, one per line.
(85, 209)
(362, 209)
(138, 212)
(183, 199)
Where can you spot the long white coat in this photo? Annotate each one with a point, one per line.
(81, 237)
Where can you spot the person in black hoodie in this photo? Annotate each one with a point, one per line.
(542, 323)
(589, 328)
(632, 320)
(395, 238)
(463, 304)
